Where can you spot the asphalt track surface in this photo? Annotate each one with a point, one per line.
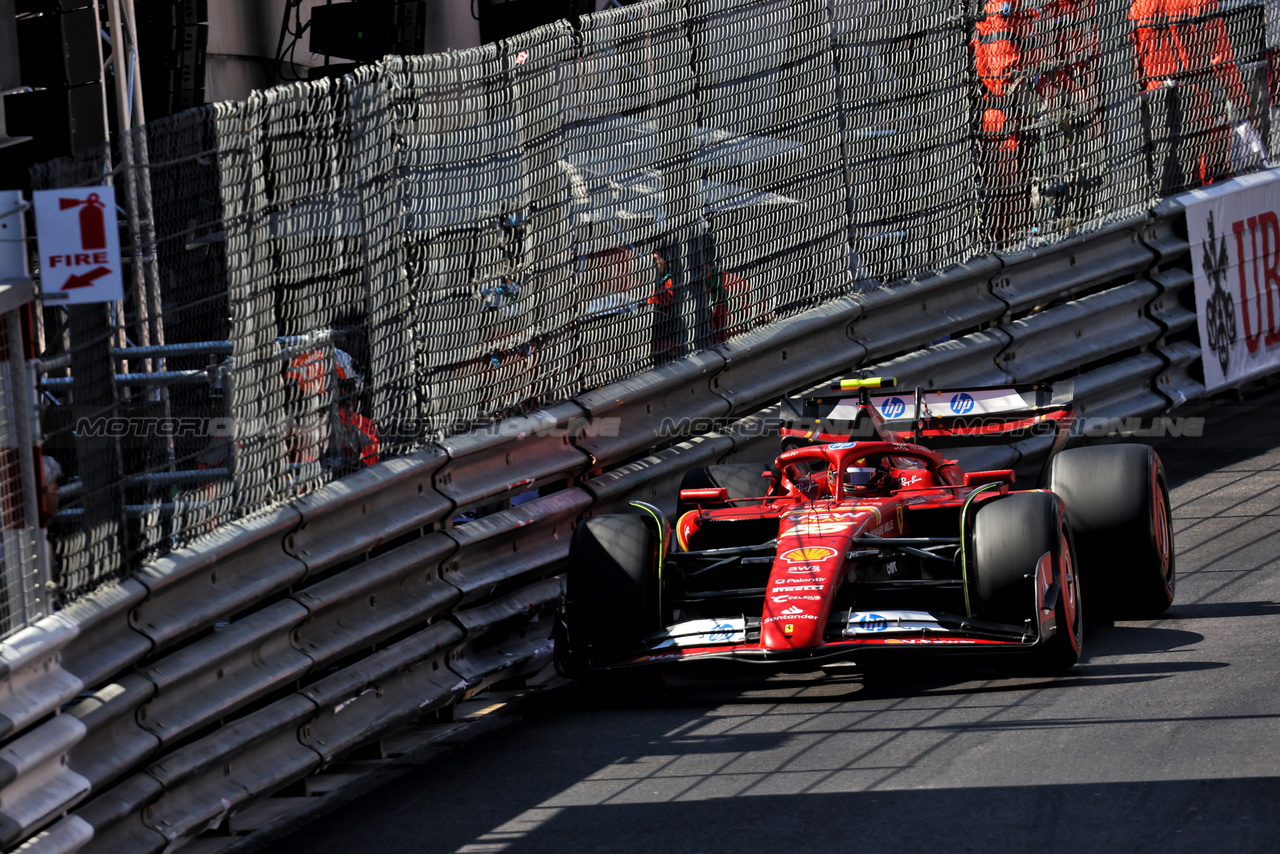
(1166, 736)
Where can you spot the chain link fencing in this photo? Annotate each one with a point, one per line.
(346, 270)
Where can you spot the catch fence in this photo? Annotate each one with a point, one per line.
(345, 270)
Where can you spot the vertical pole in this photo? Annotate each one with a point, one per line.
(35, 594)
(146, 218)
(122, 54)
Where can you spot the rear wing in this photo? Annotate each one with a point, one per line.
(938, 418)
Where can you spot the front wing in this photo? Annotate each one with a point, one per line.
(869, 636)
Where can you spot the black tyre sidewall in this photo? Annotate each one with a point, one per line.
(1010, 536)
(1111, 493)
(611, 588)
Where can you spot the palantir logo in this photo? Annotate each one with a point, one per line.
(962, 403)
(1220, 309)
(893, 407)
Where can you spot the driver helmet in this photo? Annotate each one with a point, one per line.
(859, 478)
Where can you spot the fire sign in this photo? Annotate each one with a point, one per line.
(79, 245)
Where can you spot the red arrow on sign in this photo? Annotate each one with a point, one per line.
(87, 279)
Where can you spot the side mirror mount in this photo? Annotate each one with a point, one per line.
(979, 478)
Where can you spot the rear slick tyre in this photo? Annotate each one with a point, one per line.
(1022, 555)
(1117, 500)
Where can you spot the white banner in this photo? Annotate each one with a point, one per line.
(1235, 254)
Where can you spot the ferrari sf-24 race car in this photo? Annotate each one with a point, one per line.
(863, 542)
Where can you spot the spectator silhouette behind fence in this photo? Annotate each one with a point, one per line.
(1196, 112)
(1041, 132)
(312, 437)
(663, 301)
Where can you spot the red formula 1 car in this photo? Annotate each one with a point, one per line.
(862, 549)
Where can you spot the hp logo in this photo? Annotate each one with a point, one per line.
(873, 622)
(961, 404)
(894, 407)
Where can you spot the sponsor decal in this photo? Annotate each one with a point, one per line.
(807, 569)
(893, 408)
(780, 600)
(794, 589)
(866, 622)
(900, 515)
(789, 628)
(840, 446)
(927, 641)
(824, 516)
(697, 632)
(815, 529)
(794, 610)
(871, 622)
(723, 632)
(882, 529)
(962, 403)
(810, 553)
(791, 617)
(1233, 228)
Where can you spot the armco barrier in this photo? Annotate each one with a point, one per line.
(515, 547)
(390, 687)
(222, 672)
(37, 784)
(627, 417)
(35, 682)
(1041, 277)
(114, 740)
(203, 781)
(971, 359)
(1080, 332)
(507, 638)
(1180, 381)
(106, 642)
(367, 509)
(912, 315)
(369, 602)
(513, 456)
(655, 478)
(259, 611)
(238, 566)
(761, 365)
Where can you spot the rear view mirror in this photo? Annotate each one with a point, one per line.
(715, 495)
(978, 478)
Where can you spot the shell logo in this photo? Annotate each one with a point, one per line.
(808, 555)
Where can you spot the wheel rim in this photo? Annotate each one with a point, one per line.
(1161, 523)
(1070, 595)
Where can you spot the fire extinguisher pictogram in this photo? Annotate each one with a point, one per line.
(93, 230)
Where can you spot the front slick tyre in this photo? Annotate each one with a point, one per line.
(611, 589)
(1024, 565)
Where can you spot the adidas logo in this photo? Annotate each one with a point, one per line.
(794, 610)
